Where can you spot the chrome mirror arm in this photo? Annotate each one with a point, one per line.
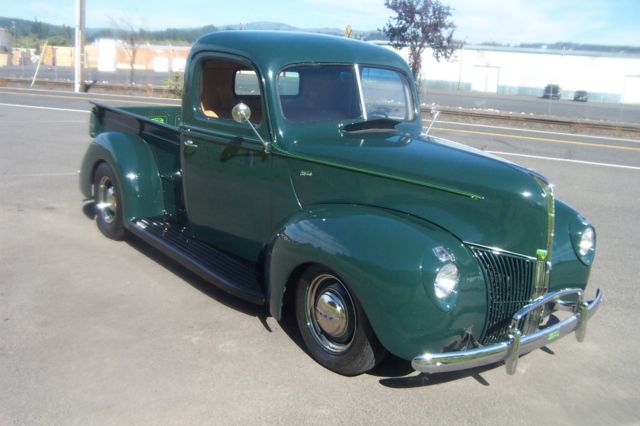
(241, 113)
(435, 112)
(265, 144)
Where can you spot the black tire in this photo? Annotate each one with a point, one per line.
(108, 205)
(341, 340)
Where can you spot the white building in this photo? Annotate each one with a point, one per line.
(521, 71)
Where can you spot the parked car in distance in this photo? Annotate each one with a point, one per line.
(551, 91)
(297, 175)
(581, 96)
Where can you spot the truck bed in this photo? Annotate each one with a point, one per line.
(158, 127)
(131, 118)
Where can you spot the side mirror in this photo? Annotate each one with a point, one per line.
(241, 113)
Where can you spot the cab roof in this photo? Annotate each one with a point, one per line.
(272, 50)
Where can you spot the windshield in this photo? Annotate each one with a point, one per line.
(320, 93)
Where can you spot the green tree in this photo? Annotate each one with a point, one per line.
(419, 24)
(175, 84)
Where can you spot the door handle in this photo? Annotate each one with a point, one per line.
(189, 143)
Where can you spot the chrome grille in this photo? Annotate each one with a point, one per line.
(510, 283)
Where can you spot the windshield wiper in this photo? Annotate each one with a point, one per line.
(376, 124)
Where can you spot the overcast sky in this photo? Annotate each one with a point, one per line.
(503, 21)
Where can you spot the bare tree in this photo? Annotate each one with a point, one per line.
(131, 38)
(419, 24)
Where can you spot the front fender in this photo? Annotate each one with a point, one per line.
(388, 262)
(132, 160)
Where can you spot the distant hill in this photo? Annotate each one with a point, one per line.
(260, 26)
(33, 33)
(30, 33)
(36, 31)
(583, 47)
(570, 47)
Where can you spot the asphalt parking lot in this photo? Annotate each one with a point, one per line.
(94, 331)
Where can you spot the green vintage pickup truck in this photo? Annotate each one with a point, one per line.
(296, 175)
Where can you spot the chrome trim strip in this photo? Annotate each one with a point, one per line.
(360, 92)
(517, 345)
(357, 169)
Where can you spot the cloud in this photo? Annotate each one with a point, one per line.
(360, 14)
(49, 13)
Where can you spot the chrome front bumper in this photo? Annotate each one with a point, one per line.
(518, 344)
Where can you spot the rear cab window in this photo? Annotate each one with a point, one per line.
(226, 83)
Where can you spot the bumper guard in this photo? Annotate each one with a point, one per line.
(518, 344)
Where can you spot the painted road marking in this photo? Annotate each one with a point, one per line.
(47, 108)
(85, 99)
(565, 160)
(545, 132)
(535, 138)
(43, 174)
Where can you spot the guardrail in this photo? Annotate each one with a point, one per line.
(141, 89)
(582, 123)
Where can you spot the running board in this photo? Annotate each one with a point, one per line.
(218, 268)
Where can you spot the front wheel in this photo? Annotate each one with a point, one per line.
(108, 203)
(333, 325)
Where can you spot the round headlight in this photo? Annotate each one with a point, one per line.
(446, 280)
(587, 241)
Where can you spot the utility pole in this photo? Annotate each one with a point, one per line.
(79, 49)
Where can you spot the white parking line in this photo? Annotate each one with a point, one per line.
(545, 132)
(19, 175)
(47, 108)
(565, 160)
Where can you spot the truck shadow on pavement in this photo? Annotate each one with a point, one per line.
(189, 277)
(423, 379)
(394, 372)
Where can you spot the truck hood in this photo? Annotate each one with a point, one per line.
(480, 198)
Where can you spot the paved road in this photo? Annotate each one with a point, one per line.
(565, 108)
(98, 332)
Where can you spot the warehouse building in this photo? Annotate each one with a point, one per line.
(520, 71)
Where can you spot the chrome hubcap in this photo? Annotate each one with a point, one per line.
(107, 202)
(330, 313)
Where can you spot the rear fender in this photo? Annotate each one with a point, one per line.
(133, 162)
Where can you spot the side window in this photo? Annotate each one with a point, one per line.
(289, 83)
(313, 94)
(386, 94)
(246, 83)
(226, 84)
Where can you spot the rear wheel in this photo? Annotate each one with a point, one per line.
(108, 203)
(333, 325)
